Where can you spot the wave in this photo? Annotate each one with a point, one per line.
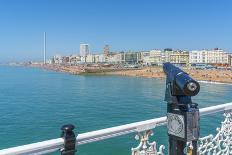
(213, 82)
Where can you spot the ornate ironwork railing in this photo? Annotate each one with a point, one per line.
(221, 143)
(146, 147)
(218, 144)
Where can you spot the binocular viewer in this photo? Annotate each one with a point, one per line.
(182, 113)
(181, 84)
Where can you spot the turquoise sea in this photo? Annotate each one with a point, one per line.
(35, 103)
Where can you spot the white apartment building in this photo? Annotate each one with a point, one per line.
(74, 59)
(216, 56)
(179, 57)
(83, 59)
(145, 57)
(157, 57)
(57, 59)
(100, 58)
(197, 57)
(115, 58)
(90, 58)
(84, 49)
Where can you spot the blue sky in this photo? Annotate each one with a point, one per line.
(123, 24)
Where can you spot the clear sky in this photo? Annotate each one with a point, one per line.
(123, 24)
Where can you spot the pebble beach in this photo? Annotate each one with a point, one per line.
(216, 75)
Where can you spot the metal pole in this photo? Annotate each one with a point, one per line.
(44, 50)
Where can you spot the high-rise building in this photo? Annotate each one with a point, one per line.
(106, 50)
(84, 49)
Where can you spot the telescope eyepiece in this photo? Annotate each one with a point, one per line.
(192, 86)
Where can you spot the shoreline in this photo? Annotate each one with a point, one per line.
(203, 76)
(213, 82)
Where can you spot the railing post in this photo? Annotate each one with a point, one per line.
(69, 140)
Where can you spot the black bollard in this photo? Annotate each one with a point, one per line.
(69, 140)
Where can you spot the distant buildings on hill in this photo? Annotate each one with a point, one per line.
(216, 57)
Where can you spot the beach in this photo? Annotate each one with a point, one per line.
(216, 75)
(223, 76)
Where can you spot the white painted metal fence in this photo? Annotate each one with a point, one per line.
(144, 127)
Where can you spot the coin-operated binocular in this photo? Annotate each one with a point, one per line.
(182, 113)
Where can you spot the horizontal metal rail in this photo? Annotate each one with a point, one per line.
(88, 137)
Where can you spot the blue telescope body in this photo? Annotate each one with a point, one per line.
(181, 84)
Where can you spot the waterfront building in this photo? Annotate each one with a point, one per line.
(100, 58)
(216, 57)
(90, 58)
(166, 54)
(198, 57)
(49, 61)
(131, 57)
(156, 57)
(145, 57)
(180, 58)
(57, 59)
(65, 60)
(115, 58)
(74, 59)
(83, 59)
(139, 57)
(106, 49)
(84, 49)
(124, 57)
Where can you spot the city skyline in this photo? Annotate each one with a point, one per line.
(153, 57)
(132, 25)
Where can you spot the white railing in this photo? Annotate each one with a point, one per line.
(88, 137)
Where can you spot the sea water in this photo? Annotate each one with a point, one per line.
(35, 103)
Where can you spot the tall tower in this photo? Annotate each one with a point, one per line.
(44, 54)
(106, 51)
(84, 49)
